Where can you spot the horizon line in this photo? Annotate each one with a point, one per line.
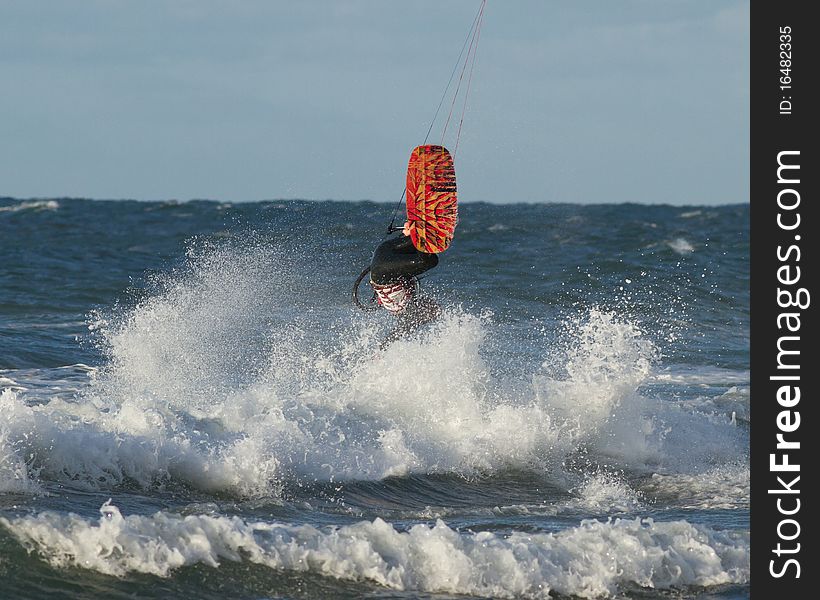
(361, 200)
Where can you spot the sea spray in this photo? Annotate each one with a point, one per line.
(176, 402)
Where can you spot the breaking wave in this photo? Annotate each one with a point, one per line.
(224, 379)
(591, 560)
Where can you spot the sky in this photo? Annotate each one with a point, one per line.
(579, 101)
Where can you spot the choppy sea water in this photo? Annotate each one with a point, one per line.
(191, 407)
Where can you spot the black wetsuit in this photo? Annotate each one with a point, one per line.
(397, 259)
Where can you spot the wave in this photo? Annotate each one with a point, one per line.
(681, 246)
(14, 470)
(33, 205)
(723, 487)
(591, 560)
(229, 377)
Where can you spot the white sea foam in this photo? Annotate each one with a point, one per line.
(681, 246)
(589, 561)
(10, 384)
(599, 494)
(222, 380)
(14, 472)
(605, 493)
(702, 375)
(725, 486)
(597, 404)
(35, 205)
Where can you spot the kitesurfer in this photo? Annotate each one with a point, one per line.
(394, 272)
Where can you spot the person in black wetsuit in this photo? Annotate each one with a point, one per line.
(394, 272)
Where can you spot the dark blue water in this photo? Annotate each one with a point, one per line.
(191, 406)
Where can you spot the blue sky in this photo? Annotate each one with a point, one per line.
(571, 100)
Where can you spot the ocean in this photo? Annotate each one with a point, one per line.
(192, 407)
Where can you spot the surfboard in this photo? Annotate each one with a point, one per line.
(432, 202)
